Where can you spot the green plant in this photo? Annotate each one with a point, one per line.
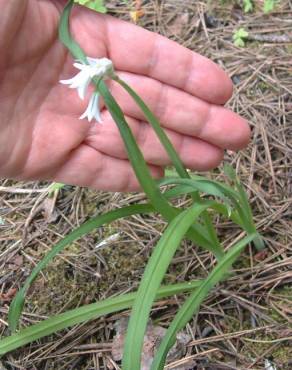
(97, 5)
(194, 223)
(239, 37)
(269, 5)
(247, 6)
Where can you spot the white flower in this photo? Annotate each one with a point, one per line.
(101, 68)
(92, 110)
(269, 365)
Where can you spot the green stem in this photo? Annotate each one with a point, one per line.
(65, 35)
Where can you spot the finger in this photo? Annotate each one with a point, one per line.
(184, 113)
(87, 167)
(139, 51)
(195, 153)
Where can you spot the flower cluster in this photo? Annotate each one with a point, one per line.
(101, 69)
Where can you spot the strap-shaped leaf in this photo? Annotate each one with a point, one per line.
(175, 159)
(151, 280)
(192, 304)
(82, 314)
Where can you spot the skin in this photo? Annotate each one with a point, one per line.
(42, 137)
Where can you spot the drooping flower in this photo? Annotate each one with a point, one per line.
(101, 68)
(92, 110)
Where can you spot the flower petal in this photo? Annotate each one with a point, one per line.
(92, 61)
(67, 82)
(82, 88)
(92, 110)
(96, 112)
(79, 66)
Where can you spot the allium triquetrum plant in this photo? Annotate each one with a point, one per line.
(193, 223)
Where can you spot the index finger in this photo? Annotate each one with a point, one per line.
(136, 50)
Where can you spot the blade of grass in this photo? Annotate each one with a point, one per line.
(258, 240)
(194, 301)
(82, 314)
(246, 209)
(151, 280)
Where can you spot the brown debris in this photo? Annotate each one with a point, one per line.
(152, 339)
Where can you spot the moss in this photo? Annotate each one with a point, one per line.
(262, 341)
(289, 48)
(63, 285)
(285, 291)
(123, 262)
(280, 355)
(242, 263)
(263, 86)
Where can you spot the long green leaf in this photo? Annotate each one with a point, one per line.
(258, 240)
(245, 209)
(206, 186)
(223, 191)
(97, 221)
(151, 280)
(223, 209)
(82, 314)
(148, 184)
(192, 304)
(174, 157)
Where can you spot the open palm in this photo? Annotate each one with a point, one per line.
(42, 136)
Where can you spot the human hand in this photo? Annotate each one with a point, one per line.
(42, 136)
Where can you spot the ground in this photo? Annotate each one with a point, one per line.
(247, 319)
